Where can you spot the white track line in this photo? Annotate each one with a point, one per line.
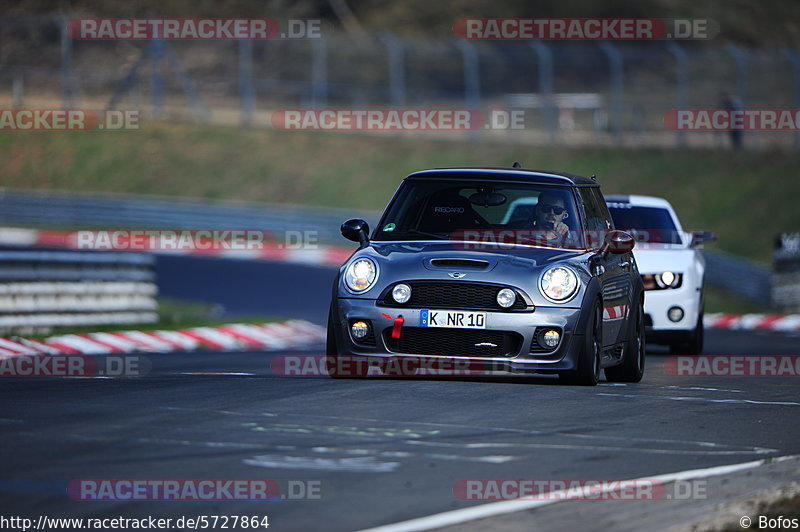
(492, 509)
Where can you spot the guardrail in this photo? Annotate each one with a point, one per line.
(738, 275)
(40, 290)
(64, 209)
(71, 210)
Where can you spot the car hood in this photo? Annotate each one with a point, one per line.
(659, 259)
(518, 266)
(494, 254)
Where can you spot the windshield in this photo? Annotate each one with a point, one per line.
(480, 211)
(648, 224)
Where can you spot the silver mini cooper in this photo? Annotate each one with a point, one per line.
(502, 269)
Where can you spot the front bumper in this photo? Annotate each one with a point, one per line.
(562, 358)
(658, 302)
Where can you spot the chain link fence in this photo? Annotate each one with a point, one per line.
(573, 93)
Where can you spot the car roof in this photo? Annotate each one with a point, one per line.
(501, 173)
(639, 201)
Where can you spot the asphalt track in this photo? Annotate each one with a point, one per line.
(382, 449)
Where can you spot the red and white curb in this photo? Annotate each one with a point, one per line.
(292, 334)
(318, 256)
(753, 322)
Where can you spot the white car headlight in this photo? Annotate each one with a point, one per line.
(361, 275)
(558, 283)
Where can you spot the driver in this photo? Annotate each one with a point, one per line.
(551, 211)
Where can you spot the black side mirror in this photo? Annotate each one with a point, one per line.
(618, 242)
(701, 237)
(356, 230)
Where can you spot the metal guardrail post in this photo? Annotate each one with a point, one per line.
(66, 64)
(682, 59)
(397, 71)
(794, 58)
(545, 66)
(246, 90)
(319, 73)
(157, 80)
(616, 64)
(472, 80)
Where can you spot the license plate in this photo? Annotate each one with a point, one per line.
(452, 319)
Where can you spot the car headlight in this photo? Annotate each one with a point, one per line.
(667, 279)
(506, 297)
(361, 275)
(559, 283)
(401, 293)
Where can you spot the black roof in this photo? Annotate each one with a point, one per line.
(503, 173)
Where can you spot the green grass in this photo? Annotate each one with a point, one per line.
(786, 508)
(746, 198)
(719, 300)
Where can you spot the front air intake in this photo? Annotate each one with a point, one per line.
(460, 263)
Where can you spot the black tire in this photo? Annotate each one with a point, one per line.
(633, 357)
(695, 344)
(590, 357)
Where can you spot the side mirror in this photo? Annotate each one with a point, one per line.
(618, 242)
(356, 230)
(701, 237)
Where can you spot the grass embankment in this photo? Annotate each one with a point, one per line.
(746, 198)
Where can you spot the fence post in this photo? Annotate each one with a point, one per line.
(617, 87)
(156, 79)
(319, 73)
(18, 91)
(246, 90)
(397, 72)
(741, 72)
(545, 66)
(682, 59)
(66, 64)
(794, 58)
(472, 80)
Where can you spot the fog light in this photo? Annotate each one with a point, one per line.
(551, 338)
(506, 297)
(401, 293)
(675, 314)
(359, 330)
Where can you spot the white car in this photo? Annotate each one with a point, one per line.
(672, 270)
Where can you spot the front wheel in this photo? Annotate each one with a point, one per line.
(633, 356)
(590, 357)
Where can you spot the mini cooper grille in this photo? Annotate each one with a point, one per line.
(454, 342)
(436, 295)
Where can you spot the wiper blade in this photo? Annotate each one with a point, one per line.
(439, 236)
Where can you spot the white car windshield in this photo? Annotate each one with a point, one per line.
(650, 224)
